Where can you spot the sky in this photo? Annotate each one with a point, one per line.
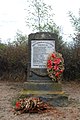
(12, 17)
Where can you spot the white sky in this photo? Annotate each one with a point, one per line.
(12, 16)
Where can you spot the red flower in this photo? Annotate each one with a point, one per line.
(18, 104)
(50, 66)
(57, 74)
(53, 55)
(57, 61)
(61, 71)
(56, 67)
(49, 62)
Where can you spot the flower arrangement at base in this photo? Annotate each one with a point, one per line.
(30, 105)
(55, 66)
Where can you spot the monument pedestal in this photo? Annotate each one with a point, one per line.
(49, 92)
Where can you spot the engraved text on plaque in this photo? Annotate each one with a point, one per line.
(40, 49)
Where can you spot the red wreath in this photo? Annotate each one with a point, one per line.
(55, 66)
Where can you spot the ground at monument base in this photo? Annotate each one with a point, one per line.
(9, 90)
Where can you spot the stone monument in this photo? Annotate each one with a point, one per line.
(38, 84)
(40, 45)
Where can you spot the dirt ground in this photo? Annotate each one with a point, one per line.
(9, 90)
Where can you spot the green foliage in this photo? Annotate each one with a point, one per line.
(13, 59)
(40, 17)
(75, 21)
(74, 60)
(72, 63)
(20, 39)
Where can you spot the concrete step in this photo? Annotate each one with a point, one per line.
(35, 86)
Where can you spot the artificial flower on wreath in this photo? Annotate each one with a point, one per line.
(55, 66)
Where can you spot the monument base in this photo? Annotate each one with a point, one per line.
(48, 92)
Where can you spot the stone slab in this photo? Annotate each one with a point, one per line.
(35, 86)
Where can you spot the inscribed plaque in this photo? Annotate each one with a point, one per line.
(40, 49)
